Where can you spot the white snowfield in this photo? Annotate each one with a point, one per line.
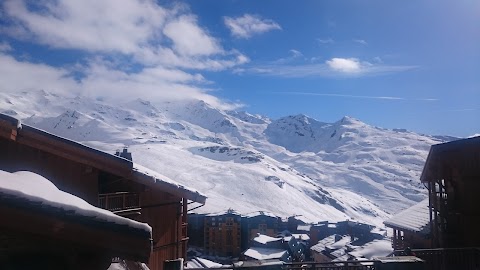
(295, 165)
(35, 188)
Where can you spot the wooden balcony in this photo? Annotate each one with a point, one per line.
(121, 203)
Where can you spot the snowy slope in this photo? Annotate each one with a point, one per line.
(293, 165)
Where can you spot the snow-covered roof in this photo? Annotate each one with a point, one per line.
(94, 157)
(439, 153)
(258, 253)
(264, 239)
(333, 241)
(225, 212)
(260, 213)
(304, 228)
(415, 218)
(143, 173)
(339, 252)
(197, 262)
(375, 248)
(34, 188)
(340, 243)
(301, 236)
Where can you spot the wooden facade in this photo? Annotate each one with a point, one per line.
(223, 234)
(92, 175)
(452, 174)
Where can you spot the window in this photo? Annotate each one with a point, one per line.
(229, 239)
(262, 228)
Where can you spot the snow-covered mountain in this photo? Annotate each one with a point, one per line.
(295, 165)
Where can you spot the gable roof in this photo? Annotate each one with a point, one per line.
(12, 129)
(414, 219)
(461, 153)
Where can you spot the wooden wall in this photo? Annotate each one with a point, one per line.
(166, 221)
(77, 179)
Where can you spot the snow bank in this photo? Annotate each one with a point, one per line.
(35, 188)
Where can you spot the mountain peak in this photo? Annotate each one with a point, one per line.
(348, 120)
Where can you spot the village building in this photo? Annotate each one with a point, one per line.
(259, 222)
(222, 236)
(103, 180)
(319, 231)
(452, 175)
(322, 251)
(411, 227)
(291, 223)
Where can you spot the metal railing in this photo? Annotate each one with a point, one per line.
(119, 201)
(447, 258)
(338, 265)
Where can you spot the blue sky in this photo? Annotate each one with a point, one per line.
(394, 64)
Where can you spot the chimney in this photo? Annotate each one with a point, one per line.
(125, 154)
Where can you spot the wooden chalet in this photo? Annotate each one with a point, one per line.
(103, 180)
(411, 227)
(452, 175)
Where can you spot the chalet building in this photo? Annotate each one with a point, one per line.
(103, 180)
(45, 228)
(411, 227)
(223, 234)
(319, 231)
(292, 223)
(452, 175)
(259, 222)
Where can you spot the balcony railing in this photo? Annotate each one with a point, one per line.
(447, 258)
(119, 201)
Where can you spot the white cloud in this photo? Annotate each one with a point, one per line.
(107, 25)
(141, 29)
(296, 53)
(360, 41)
(100, 78)
(346, 65)
(189, 39)
(325, 41)
(335, 67)
(249, 25)
(392, 98)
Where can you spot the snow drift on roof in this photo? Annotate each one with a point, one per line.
(35, 188)
(264, 239)
(375, 248)
(157, 177)
(264, 253)
(415, 218)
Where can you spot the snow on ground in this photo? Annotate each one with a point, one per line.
(293, 165)
(35, 188)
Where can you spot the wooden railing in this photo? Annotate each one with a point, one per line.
(346, 265)
(447, 258)
(119, 201)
